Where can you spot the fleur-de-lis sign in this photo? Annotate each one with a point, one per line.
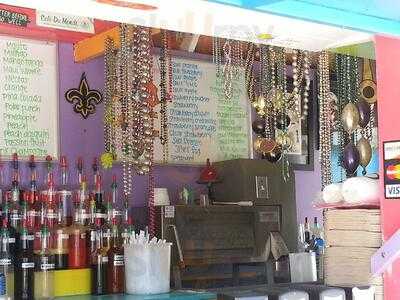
(84, 98)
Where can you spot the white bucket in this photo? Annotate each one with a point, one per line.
(147, 268)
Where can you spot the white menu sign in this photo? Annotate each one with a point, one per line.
(28, 97)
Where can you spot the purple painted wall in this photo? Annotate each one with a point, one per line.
(79, 137)
(308, 184)
(84, 138)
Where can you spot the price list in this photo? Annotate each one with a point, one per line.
(27, 99)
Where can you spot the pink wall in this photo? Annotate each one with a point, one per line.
(388, 78)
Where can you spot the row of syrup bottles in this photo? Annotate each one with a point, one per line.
(35, 235)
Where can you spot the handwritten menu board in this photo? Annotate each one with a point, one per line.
(28, 97)
(202, 122)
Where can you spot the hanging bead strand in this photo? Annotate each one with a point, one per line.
(325, 129)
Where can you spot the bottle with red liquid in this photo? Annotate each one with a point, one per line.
(24, 268)
(99, 262)
(77, 253)
(101, 210)
(116, 269)
(51, 206)
(61, 236)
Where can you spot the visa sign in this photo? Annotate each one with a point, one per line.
(392, 191)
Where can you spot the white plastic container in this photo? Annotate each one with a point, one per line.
(147, 268)
(294, 295)
(363, 293)
(303, 267)
(333, 294)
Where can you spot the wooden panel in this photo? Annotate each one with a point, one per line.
(350, 266)
(94, 46)
(353, 219)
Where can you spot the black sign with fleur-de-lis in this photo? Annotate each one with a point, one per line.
(83, 98)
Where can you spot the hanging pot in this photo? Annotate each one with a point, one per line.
(364, 111)
(351, 158)
(350, 117)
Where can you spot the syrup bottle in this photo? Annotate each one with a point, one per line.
(6, 263)
(15, 188)
(64, 193)
(61, 236)
(83, 198)
(79, 167)
(46, 211)
(40, 208)
(44, 263)
(24, 220)
(95, 168)
(49, 170)
(77, 253)
(116, 269)
(15, 203)
(99, 262)
(117, 209)
(51, 210)
(127, 228)
(2, 191)
(91, 228)
(24, 268)
(64, 171)
(307, 231)
(12, 232)
(107, 227)
(32, 165)
(98, 197)
(32, 198)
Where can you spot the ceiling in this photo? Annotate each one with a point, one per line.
(375, 16)
(231, 19)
